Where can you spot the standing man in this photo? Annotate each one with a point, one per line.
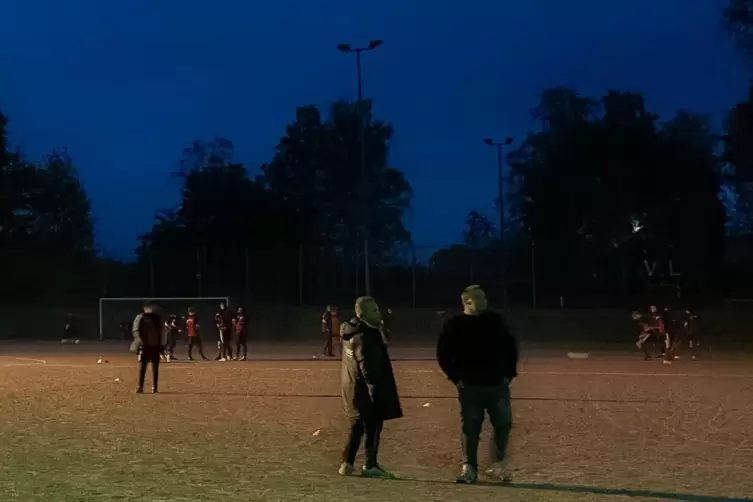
(329, 325)
(240, 334)
(70, 331)
(149, 344)
(479, 355)
(194, 337)
(369, 390)
(224, 320)
(693, 331)
(171, 334)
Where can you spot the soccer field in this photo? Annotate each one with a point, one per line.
(611, 427)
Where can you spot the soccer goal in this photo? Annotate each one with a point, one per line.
(116, 314)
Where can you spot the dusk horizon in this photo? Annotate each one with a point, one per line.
(127, 89)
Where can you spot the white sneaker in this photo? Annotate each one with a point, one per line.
(346, 469)
(501, 472)
(222, 359)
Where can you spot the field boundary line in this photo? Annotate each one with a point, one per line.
(233, 367)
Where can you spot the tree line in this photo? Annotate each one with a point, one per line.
(599, 189)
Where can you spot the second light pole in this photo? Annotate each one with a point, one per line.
(362, 136)
(500, 181)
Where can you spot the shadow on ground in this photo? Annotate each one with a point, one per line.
(435, 398)
(594, 490)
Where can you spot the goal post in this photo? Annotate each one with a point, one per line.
(114, 311)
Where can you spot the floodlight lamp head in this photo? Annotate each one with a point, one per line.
(508, 141)
(344, 47)
(489, 141)
(375, 43)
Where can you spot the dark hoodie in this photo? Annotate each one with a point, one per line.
(478, 350)
(368, 383)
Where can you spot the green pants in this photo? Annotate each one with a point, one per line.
(475, 401)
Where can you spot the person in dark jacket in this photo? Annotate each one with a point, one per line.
(171, 336)
(369, 391)
(224, 321)
(479, 355)
(693, 332)
(240, 334)
(149, 343)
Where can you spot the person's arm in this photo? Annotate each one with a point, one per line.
(136, 333)
(368, 354)
(446, 353)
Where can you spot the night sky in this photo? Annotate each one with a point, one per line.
(127, 85)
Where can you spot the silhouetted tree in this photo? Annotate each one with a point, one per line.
(46, 231)
(604, 185)
(738, 20)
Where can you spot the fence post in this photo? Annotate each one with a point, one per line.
(300, 275)
(533, 272)
(413, 272)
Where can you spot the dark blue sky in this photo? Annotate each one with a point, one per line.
(127, 85)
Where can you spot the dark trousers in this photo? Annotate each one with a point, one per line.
(224, 348)
(328, 349)
(359, 428)
(172, 341)
(694, 342)
(670, 345)
(149, 355)
(474, 401)
(195, 341)
(240, 342)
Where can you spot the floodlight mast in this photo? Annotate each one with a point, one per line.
(346, 48)
(500, 180)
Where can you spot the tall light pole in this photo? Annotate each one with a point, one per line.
(500, 181)
(362, 136)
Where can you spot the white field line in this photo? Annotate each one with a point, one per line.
(219, 366)
(40, 361)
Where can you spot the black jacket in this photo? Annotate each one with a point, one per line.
(147, 332)
(478, 349)
(368, 383)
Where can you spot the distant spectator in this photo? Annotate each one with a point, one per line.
(71, 330)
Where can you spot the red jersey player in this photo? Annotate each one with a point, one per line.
(192, 329)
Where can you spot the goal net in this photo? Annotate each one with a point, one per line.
(116, 314)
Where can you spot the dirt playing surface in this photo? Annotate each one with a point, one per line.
(611, 427)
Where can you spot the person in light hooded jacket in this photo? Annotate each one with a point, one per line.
(369, 391)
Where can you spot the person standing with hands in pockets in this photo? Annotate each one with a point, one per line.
(369, 391)
(479, 355)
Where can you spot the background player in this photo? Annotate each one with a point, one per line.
(224, 321)
(240, 333)
(171, 335)
(330, 328)
(651, 330)
(194, 339)
(693, 332)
